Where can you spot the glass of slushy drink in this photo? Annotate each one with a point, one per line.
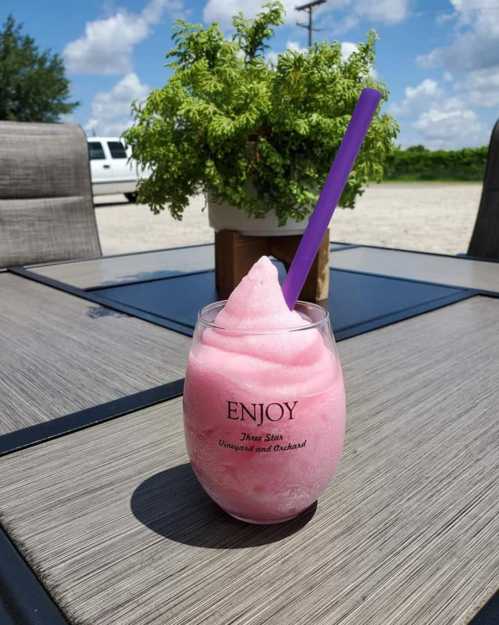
(264, 401)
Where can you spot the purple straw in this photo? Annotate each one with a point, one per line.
(330, 195)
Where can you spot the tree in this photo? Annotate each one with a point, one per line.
(256, 132)
(33, 84)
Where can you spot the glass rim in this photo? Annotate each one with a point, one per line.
(324, 319)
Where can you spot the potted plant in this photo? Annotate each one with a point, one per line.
(256, 134)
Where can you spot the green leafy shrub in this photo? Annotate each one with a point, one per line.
(257, 134)
(418, 163)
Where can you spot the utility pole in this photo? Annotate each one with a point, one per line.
(309, 7)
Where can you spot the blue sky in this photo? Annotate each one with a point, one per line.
(439, 58)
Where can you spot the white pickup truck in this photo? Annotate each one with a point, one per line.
(111, 168)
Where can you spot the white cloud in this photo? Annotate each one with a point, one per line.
(381, 11)
(347, 48)
(272, 56)
(481, 87)
(437, 119)
(443, 18)
(476, 39)
(386, 11)
(223, 10)
(416, 98)
(110, 110)
(294, 46)
(450, 124)
(427, 87)
(107, 45)
(471, 60)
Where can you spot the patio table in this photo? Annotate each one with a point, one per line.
(103, 521)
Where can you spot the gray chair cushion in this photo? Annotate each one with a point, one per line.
(47, 229)
(46, 205)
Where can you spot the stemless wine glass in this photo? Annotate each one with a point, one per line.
(264, 414)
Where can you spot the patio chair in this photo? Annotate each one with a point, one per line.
(46, 205)
(484, 241)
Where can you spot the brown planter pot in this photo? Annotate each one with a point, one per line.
(244, 241)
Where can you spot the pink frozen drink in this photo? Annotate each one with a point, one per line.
(264, 401)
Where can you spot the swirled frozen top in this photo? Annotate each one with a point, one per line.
(262, 343)
(257, 303)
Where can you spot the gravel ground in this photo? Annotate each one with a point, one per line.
(432, 217)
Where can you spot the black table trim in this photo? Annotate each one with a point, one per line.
(187, 330)
(360, 328)
(489, 613)
(485, 292)
(24, 599)
(101, 301)
(42, 432)
(92, 288)
(103, 287)
(440, 254)
(93, 258)
(161, 249)
(117, 285)
(401, 315)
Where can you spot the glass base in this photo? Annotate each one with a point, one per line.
(273, 522)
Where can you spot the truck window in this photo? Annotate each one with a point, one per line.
(95, 151)
(117, 150)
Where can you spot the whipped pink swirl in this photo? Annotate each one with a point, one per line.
(258, 339)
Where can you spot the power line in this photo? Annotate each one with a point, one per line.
(308, 8)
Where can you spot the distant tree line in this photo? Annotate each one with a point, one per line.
(418, 163)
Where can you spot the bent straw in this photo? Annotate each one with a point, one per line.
(330, 195)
